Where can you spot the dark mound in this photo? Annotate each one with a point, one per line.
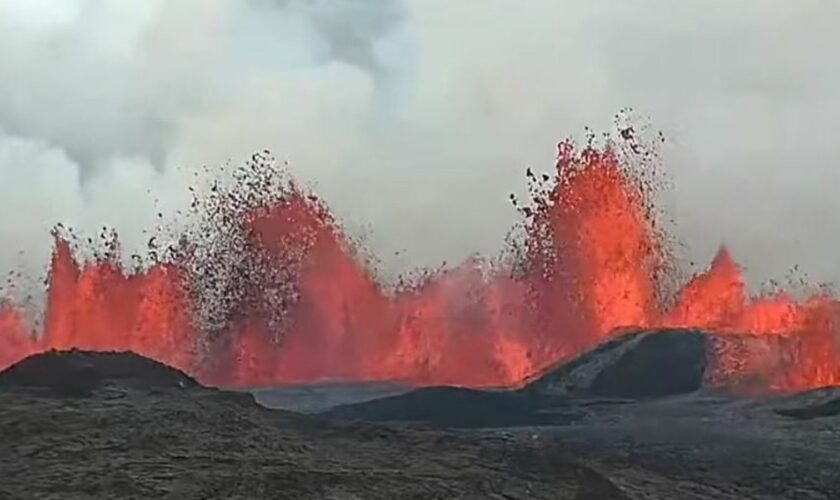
(635, 366)
(78, 373)
(458, 407)
(638, 365)
(811, 404)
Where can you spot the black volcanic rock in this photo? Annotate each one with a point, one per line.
(817, 403)
(458, 407)
(635, 366)
(78, 373)
(660, 365)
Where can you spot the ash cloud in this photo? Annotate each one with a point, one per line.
(350, 30)
(436, 107)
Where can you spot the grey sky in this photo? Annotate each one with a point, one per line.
(435, 106)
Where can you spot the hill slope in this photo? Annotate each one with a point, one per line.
(115, 425)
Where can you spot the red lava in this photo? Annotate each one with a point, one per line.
(269, 291)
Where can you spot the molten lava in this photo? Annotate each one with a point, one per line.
(269, 291)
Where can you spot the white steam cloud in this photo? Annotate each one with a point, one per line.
(418, 117)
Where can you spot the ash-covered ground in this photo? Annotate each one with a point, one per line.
(623, 421)
(82, 425)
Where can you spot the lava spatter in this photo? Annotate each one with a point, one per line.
(266, 289)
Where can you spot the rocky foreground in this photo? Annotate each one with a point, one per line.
(81, 425)
(624, 421)
(639, 410)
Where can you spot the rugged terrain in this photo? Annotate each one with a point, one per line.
(638, 410)
(631, 419)
(81, 425)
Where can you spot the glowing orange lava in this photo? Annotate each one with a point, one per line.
(299, 306)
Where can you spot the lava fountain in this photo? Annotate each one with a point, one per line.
(267, 290)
